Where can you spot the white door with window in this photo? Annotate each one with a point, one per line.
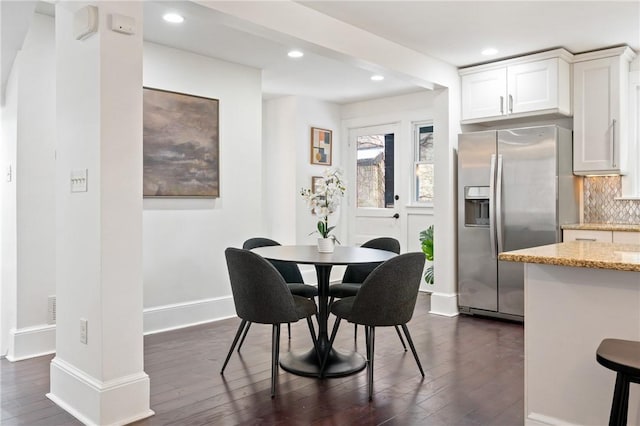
(374, 199)
(389, 171)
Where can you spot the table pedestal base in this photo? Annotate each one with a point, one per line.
(339, 364)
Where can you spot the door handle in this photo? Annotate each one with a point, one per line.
(396, 216)
(613, 144)
(498, 216)
(492, 207)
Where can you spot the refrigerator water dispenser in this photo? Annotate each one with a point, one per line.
(476, 206)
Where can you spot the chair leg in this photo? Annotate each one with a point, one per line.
(331, 339)
(233, 345)
(275, 352)
(372, 340)
(289, 329)
(401, 339)
(413, 348)
(366, 341)
(244, 335)
(355, 332)
(620, 404)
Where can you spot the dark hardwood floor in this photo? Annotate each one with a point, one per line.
(474, 376)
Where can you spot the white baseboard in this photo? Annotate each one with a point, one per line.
(31, 342)
(40, 340)
(537, 419)
(445, 304)
(180, 315)
(94, 402)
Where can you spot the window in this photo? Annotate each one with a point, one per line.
(423, 163)
(375, 170)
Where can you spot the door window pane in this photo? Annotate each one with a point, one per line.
(375, 170)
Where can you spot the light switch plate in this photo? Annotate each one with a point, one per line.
(79, 180)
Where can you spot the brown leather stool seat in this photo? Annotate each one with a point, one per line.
(623, 357)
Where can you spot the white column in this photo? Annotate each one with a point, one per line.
(99, 232)
(444, 299)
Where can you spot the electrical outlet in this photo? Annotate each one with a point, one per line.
(83, 330)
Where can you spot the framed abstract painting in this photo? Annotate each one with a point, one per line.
(180, 145)
(321, 140)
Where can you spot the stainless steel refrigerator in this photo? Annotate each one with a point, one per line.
(515, 190)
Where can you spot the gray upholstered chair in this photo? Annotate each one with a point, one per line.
(289, 271)
(355, 275)
(266, 300)
(386, 298)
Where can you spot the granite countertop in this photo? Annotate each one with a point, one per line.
(583, 254)
(604, 227)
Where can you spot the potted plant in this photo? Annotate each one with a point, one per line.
(323, 200)
(426, 240)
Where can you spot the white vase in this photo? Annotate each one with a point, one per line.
(326, 245)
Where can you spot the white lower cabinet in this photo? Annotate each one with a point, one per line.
(626, 237)
(586, 235)
(620, 237)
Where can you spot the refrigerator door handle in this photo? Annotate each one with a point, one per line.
(498, 208)
(492, 210)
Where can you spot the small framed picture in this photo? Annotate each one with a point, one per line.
(321, 140)
(315, 182)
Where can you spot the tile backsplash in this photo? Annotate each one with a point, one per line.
(600, 205)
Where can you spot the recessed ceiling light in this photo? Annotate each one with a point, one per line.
(295, 54)
(174, 18)
(377, 77)
(489, 51)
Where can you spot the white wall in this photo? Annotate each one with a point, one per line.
(36, 173)
(8, 247)
(279, 183)
(287, 168)
(185, 274)
(29, 199)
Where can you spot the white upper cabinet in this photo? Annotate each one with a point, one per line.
(532, 85)
(483, 94)
(600, 122)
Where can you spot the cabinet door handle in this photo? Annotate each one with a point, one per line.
(613, 144)
(501, 104)
(510, 103)
(585, 239)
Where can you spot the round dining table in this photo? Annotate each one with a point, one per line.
(339, 362)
